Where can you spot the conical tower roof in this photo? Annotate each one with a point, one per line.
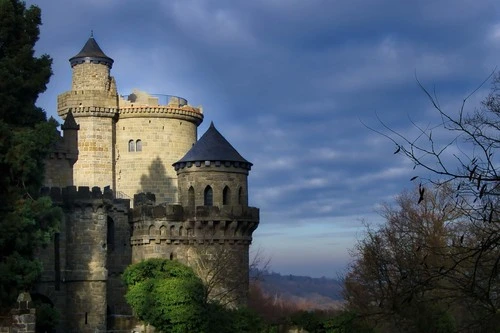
(70, 123)
(212, 146)
(91, 52)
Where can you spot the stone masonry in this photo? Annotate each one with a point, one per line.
(135, 183)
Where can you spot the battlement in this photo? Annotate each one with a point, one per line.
(72, 194)
(189, 232)
(225, 166)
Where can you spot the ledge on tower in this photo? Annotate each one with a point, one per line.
(141, 98)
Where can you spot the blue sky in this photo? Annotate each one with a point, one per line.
(290, 84)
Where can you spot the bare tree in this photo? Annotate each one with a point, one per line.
(469, 164)
(225, 271)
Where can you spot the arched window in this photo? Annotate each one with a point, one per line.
(226, 196)
(131, 145)
(138, 145)
(151, 230)
(191, 197)
(110, 237)
(163, 230)
(240, 196)
(208, 196)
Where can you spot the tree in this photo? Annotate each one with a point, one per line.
(167, 295)
(396, 277)
(26, 220)
(413, 273)
(469, 163)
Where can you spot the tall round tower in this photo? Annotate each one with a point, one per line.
(93, 101)
(213, 191)
(152, 132)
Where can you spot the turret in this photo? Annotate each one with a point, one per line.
(91, 68)
(212, 173)
(93, 102)
(70, 133)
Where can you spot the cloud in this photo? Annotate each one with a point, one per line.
(290, 84)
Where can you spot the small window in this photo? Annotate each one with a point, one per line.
(131, 145)
(191, 197)
(138, 145)
(226, 196)
(208, 196)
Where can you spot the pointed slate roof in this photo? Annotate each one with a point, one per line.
(70, 123)
(212, 146)
(91, 52)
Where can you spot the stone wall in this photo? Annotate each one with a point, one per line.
(91, 76)
(95, 165)
(217, 175)
(22, 318)
(58, 170)
(207, 239)
(147, 144)
(82, 267)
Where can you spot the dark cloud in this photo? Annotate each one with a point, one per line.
(291, 85)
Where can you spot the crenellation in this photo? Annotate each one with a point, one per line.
(145, 153)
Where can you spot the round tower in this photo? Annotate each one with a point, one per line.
(152, 132)
(93, 101)
(213, 190)
(212, 173)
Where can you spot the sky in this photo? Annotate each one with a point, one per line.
(294, 86)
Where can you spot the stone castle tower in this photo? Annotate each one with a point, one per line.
(190, 198)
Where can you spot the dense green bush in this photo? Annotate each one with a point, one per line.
(167, 295)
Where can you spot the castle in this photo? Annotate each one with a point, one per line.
(134, 183)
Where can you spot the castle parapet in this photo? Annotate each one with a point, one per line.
(72, 194)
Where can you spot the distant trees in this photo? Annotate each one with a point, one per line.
(26, 220)
(416, 272)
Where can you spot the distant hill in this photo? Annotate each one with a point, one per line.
(318, 293)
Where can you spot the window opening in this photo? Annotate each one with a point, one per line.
(208, 196)
(226, 196)
(191, 197)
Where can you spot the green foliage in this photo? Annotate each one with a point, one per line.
(167, 295)
(26, 221)
(47, 317)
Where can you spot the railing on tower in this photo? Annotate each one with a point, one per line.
(154, 99)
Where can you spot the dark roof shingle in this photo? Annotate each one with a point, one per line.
(91, 51)
(212, 146)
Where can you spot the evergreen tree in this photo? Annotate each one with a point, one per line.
(27, 221)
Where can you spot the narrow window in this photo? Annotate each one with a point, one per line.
(208, 196)
(131, 145)
(138, 145)
(171, 256)
(57, 262)
(110, 237)
(226, 196)
(240, 196)
(191, 197)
